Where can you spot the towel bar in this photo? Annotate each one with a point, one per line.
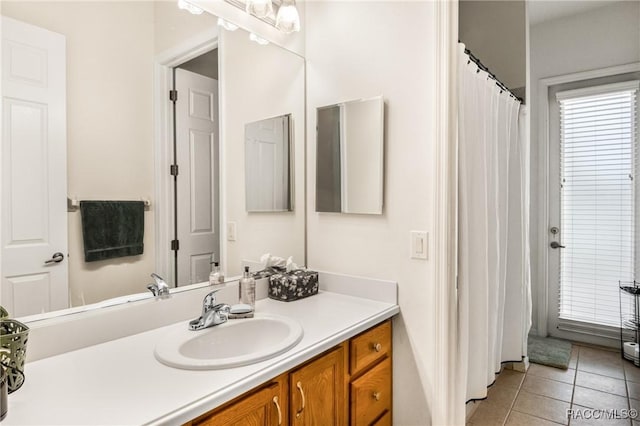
(73, 204)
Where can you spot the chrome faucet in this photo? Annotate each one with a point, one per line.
(159, 287)
(212, 313)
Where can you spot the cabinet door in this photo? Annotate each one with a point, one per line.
(262, 408)
(317, 391)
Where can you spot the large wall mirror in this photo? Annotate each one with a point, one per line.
(350, 157)
(88, 116)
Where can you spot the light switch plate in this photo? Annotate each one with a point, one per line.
(231, 231)
(419, 244)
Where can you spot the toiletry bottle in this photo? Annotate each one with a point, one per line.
(216, 276)
(247, 287)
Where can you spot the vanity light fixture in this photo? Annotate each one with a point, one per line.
(259, 8)
(281, 14)
(185, 5)
(227, 25)
(288, 19)
(258, 39)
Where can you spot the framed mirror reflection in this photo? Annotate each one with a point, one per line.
(350, 157)
(94, 118)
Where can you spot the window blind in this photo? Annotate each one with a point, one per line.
(598, 132)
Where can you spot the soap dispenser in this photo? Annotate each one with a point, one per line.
(216, 276)
(247, 290)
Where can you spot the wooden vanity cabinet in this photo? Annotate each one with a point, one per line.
(349, 384)
(317, 391)
(370, 381)
(262, 407)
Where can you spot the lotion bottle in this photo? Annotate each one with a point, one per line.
(247, 289)
(216, 276)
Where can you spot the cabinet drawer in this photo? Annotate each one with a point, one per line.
(371, 394)
(369, 347)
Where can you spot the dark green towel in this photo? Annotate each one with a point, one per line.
(112, 229)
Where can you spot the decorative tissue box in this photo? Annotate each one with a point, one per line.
(294, 285)
(267, 272)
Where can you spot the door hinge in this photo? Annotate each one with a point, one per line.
(175, 245)
(173, 95)
(173, 170)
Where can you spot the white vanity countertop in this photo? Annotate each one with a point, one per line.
(121, 383)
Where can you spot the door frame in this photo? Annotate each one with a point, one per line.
(544, 140)
(163, 144)
(448, 401)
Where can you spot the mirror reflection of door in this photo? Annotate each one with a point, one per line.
(34, 170)
(196, 153)
(267, 165)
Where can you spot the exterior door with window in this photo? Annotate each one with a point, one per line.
(593, 137)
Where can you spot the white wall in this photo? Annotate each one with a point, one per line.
(357, 50)
(494, 31)
(173, 26)
(258, 82)
(596, 39)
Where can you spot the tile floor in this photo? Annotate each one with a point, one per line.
(596, 379)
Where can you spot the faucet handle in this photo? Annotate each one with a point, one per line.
(153, 288)
(159, 287)
(223, 310)
(160, 282)
(209, 301)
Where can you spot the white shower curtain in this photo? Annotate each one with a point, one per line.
(494, 298)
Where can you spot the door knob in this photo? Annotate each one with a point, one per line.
(56, 258)
(556, 245)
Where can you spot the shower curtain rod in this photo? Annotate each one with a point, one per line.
(484, 68)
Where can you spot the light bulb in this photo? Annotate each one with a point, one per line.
(227, 25)
(288, 19)
(260, 8)
(258, 39)
(183, 4)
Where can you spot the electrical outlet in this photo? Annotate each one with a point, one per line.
(231, 231)
(419, 244)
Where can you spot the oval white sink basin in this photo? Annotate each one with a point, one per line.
(232, 344)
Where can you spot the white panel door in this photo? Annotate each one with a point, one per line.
(197, 158)
(267, 165)
(34, 169)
